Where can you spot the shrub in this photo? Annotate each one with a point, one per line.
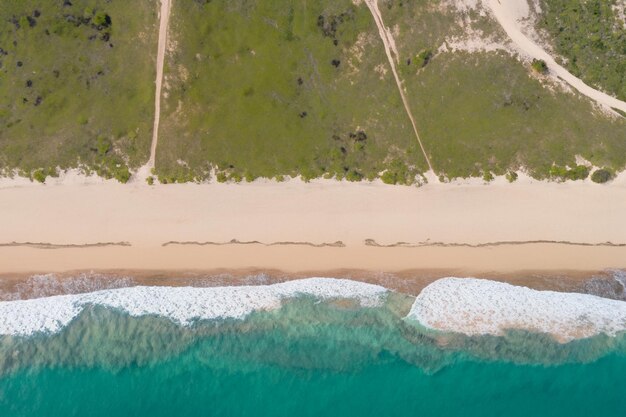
(235, 177)
(221, 177)
(40, 176)
(423, 58)
(389, 177)
(398, 173)
(354, 176)
(103, 145)
(150, 180)
(488, 176)
(102, 19)
(579, 172)
(511, 176)
(601, 176)
(540, 66)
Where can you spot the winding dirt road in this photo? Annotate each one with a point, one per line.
(391, 51)
(509, 13)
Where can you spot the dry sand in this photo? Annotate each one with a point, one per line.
(469, 228)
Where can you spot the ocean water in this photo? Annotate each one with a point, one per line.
(314, 347)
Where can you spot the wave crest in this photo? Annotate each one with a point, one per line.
(482, 307)
(181, 304)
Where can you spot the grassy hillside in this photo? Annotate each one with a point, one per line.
(259, 88)
(76, 85)
(298, 87)
(252, 90)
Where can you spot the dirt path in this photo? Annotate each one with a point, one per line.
(509, 13)
(391, 51)
(164, 20)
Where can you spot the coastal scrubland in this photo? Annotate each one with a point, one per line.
(277, 89)
(590, 37)
(268, 89)
(76, 85)
(289, 88)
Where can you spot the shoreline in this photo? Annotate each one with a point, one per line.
(30, 283)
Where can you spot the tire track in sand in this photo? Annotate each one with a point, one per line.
(144, 171)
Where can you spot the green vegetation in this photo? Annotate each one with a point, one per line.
(76, 85)
(592, 38)
(578, 172)
(281, 88)
(495, 117)
(539, 66)
(511, 176)
(602, 175)
(399, 173)
(423, 58)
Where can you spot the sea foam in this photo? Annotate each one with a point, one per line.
(181, 304)
(482, 307)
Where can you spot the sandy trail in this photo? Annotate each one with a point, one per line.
(509, 13)
(163, 24)
(391, 51)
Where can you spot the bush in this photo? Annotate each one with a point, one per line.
(40, 176)
(423, 58)
(102, 19)
(398, 173)
(540, 66)
(389, 177)
(235, 177)
(221, 177)
(601, 176)
(121, 173)
(511, 176)
(103, 145)
(488, 176)
(150, 180)
(578, 172)
(354, 176)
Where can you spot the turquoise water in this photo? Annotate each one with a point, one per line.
(308, 358)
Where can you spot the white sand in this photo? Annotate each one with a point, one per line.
(145, 217)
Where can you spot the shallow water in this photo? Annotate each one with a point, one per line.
(309, 357)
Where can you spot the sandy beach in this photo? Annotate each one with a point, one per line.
(468, 229)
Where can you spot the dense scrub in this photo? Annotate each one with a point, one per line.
(591, 37)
